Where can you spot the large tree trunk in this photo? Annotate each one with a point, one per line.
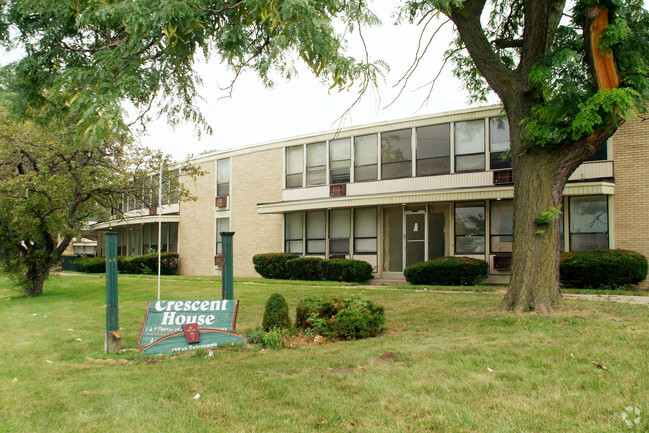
(36, 276)
(538, 189)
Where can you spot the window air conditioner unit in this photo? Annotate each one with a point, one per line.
(502, 263)
(218, 260)
(503, 177)
(338, 190)
(153, 210)
(221, 201)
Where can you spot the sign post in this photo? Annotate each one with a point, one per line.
(113, 341)
(227, 279)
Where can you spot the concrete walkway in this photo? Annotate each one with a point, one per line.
(629, 299)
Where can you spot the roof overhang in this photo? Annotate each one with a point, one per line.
(444, 195)
(149, 219)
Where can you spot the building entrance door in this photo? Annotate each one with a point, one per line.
(415, 237)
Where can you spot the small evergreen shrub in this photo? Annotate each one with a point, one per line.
(276, 313)
(448, 271)
(306, 268)
(340, 318)
(602, 269)
(91, 265)
(273, 265)
(353, 271)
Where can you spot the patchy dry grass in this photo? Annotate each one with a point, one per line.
(448, 362)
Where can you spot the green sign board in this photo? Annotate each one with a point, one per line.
(177, 342)
(164, 318)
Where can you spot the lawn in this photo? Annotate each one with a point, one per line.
(448, 362)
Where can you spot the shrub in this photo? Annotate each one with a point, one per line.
(602, 269)
(144, 264)
(276, 313)
(448, 271)
(356, 271)
(91, 265)
(272, 265)
(306, 268)
(340, 318)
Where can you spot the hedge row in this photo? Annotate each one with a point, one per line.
(448, 271)
(143, 264)
(290, 266)
(602, 269)
(340, 318)
(595, 269)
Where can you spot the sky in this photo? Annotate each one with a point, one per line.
(255, 114)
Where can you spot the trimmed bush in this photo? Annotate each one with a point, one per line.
(91, 265)
(306, 268)
(353, 271)
(276, 313)
(602, 269)
(273, 265)
(340, 318)
(448, 271)
(144, 264)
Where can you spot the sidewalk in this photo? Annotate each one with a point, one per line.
(640, 300)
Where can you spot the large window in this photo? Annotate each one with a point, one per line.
(469, 146)
(365, 158)
(222, 225)
(339, 231)
(294, 166)
(588, 222)
(433, 150)
(223, 177)
(501, 224)
(293, 232)
(316, 160)
(396, 154)
(499, 143)
(315, 232)
(365, 231)
(469, 228)
(339, 160)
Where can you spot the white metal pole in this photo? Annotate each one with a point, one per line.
(159, 225)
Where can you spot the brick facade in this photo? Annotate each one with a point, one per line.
(631, 200)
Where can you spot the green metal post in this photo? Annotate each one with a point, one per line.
(227, 279)
(113, 341)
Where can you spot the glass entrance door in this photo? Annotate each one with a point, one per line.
(415, 239)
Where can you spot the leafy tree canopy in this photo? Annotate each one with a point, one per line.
(85, 59)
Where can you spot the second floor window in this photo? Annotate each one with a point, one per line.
(316, 163)
(339, 160)
(294, 166)
(469, 146)
(396, 154)
(499, 143)
(433, 150)
(223, 177)
(365, 158)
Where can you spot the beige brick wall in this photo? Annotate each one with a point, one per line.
(631, 199)
(196, 228)
(256, 178)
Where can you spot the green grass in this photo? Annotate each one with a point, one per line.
(438, 380)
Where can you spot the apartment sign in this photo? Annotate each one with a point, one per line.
(168, 325)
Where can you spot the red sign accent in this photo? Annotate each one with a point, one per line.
(191, 333)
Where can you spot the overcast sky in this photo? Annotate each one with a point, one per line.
(256, 114)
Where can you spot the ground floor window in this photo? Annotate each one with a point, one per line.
(365, 231)
(588, 216)
(293, 232)
(222, 225)
(501, 225)
(316, 229)
(470, 228)
(339, 231)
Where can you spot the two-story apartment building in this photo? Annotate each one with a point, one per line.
(391, 193)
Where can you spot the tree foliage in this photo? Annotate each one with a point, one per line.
(85, 59)
(52, 186)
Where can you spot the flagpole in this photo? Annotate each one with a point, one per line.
(159, 225)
